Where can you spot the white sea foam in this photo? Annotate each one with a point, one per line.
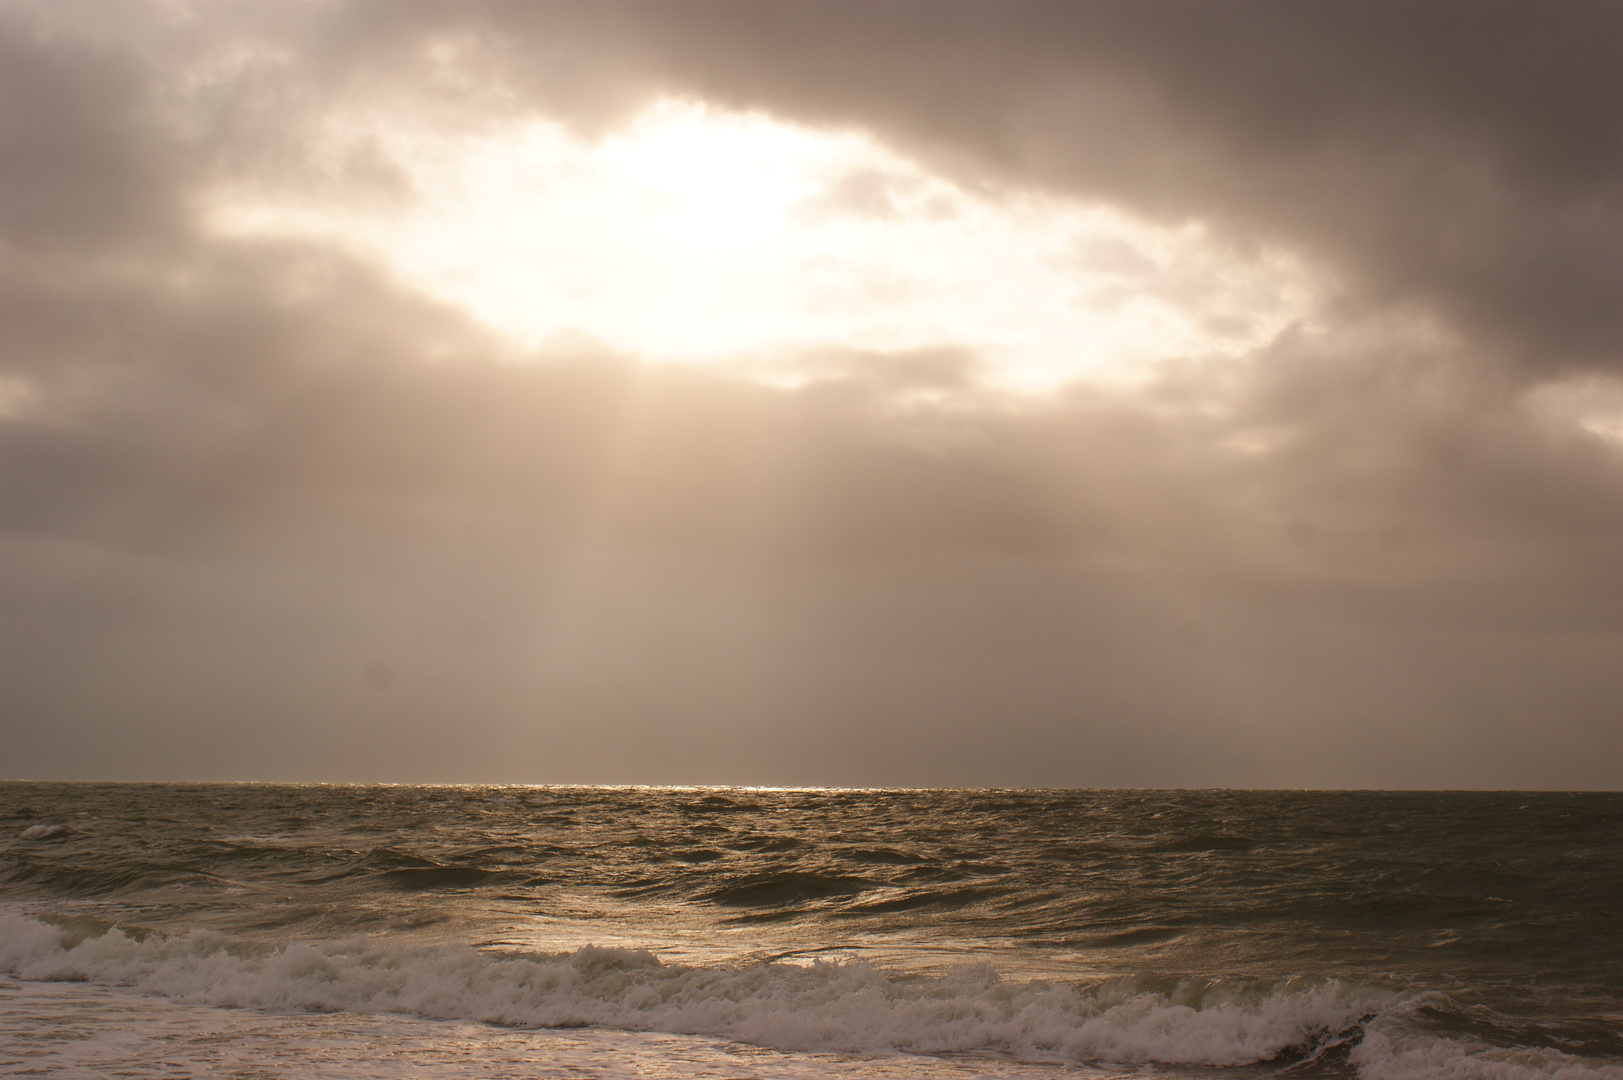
(1390, 1052)
(121, 1032)
(824, 1007)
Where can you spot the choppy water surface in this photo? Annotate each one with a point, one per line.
(973, 932)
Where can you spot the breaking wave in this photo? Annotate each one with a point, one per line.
(821, 1007)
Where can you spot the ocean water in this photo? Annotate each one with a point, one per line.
(318, 931)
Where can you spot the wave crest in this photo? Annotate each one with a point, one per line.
(823, 1007)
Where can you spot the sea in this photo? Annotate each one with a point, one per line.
(259, 931)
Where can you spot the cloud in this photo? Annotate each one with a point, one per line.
(240, 478)
(1469, 164)
(1241, 579)
(1465, 159)
(81, 163)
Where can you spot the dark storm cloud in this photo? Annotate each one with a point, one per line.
(239, 478)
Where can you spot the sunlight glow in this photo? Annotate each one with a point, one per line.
(700, 235)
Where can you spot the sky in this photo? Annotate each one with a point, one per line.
(913, 393)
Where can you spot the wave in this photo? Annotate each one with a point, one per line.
(778, 888)
(401, 870)
(821, 1007)
(850, 1008)
(45, 832)
(69, 879)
